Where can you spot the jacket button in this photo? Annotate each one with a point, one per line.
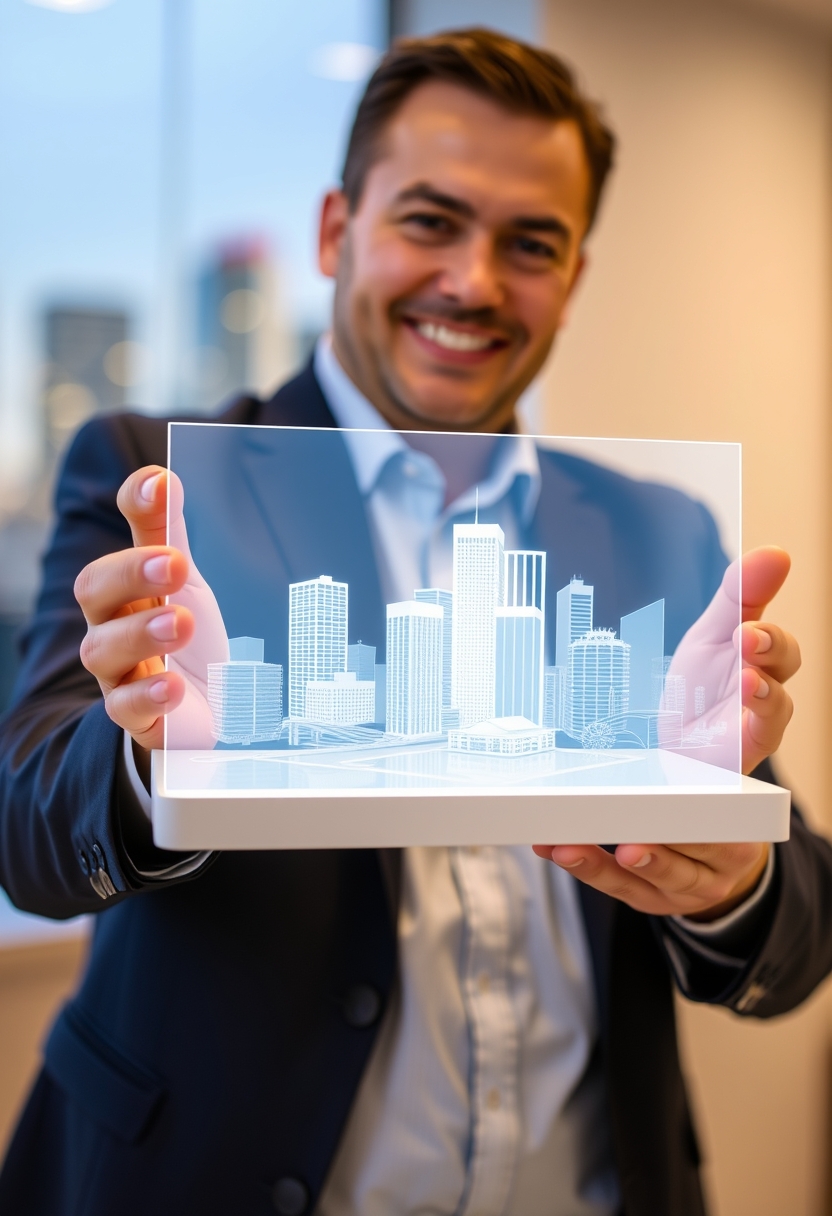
(290, 1197)
(361, 1006)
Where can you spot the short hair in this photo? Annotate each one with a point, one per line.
(522, 78)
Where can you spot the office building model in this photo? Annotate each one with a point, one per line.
(245, 695)
(464, 667)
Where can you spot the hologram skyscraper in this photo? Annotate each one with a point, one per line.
(519, 637)
(445, 600)
(317, 636)
(414, 668)
(245, 695)
(478, 593)
(643, 631)
(599, 679)
(574, 618)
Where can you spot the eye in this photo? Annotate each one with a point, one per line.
(531, 247)
(428, 222)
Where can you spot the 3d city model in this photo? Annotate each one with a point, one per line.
(464, 668)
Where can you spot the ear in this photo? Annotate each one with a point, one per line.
(566, 311)
(334, 218)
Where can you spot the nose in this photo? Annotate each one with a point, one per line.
(471, 276)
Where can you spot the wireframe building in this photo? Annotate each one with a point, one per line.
(478, 593)
(573, 617)
(245, 695)
(674, 697)
(554, 697)
(317, 636)
(414, 668)
(518, 688)
(445, 600)
(520, 638)
(599, 679)
(344, 700)
(362, 660)
(643, 631)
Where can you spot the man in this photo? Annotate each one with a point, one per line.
(434, 1031)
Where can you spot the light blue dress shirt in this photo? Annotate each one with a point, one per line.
(465, 1106)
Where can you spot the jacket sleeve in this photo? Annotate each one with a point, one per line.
(66, 814)
(770, 963)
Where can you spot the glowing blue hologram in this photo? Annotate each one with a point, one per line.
(245, 695)
(463, 670)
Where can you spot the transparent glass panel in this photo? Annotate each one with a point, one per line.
(567, 620)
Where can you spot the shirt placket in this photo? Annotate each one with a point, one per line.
(494, 1096)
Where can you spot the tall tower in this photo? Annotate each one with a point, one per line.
(520, 638)
(599, 679)
(245, 695)
(445, 600)
(414, 668)
(643, 630)
(574, 618)
(317, 636)
(478, 593)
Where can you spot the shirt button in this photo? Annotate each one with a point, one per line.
(410, 469)
(493, 1099)
(362, 1005)
(290, 1197)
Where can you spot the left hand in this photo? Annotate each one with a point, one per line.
(706, 881)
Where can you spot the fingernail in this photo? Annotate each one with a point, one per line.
(763, 690)
(763, 641)
(158, 692)
(642, 861)
(147, 490)
(571, 865)
(163, 628)
(157, 569)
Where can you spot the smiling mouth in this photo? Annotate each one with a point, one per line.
(459, 341)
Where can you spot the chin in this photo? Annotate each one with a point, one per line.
(446, 409)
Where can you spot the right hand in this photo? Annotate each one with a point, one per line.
(130, 627)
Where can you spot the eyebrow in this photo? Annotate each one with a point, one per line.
(424, 192)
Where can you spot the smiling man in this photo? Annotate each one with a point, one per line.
(367, 1033)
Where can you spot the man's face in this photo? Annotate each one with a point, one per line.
(453, 274)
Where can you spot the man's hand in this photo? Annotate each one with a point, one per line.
(130, 627)
(706, 881)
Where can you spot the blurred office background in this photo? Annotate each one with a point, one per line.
(162, 166)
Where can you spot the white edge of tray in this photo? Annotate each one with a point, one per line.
(358, 819)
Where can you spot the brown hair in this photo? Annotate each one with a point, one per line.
(516, 75)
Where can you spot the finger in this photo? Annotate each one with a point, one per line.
(112, 650)
(768, 709)
(771, 649)
(139, 707)
(721, 858)
(675, 873)
(764, 571)
(599, 869)
(107, 586)
(143, 500)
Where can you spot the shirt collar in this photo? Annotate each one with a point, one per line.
(516, 465)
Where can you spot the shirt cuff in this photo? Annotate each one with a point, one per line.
(178, 869)
(734, 918)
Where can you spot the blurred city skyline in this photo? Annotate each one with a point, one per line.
(143, 141)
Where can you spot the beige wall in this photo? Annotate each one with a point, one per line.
(706, 315)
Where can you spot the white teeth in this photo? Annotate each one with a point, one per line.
(451, 339)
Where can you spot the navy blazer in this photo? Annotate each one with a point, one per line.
(211, 1056)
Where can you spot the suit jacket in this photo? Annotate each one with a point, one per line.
(211, 1056)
